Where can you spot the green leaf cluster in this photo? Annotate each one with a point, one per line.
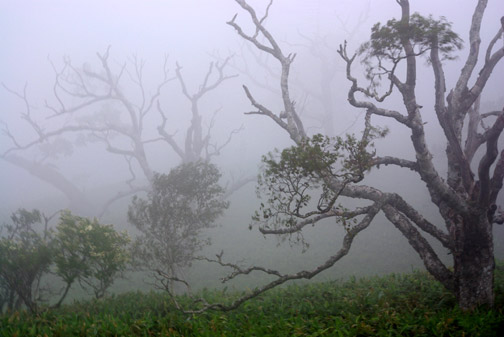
(386, 43)
(90, 252)
(301, 176)
(422, 32)
(79, 249)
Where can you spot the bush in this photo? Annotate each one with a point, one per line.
(80, 250)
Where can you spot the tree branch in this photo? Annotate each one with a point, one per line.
(421, 246)
(282, 278)
(355, 88)
(294, 125)
(488, 159)
(298, 226)
(387, 160)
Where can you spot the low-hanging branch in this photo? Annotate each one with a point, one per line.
(280, 277)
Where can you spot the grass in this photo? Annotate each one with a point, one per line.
(394, 305)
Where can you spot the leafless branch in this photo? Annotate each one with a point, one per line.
(363, 104)
(387, 160)
(488, 159)
(421, 246)
(280, 277)
(294, 125)
(492, 44)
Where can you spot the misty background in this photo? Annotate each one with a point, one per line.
(39, 35)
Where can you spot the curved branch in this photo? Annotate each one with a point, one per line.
(262, 110)
(483, 76)
(331, 213)
(421, 246)
(282, 278)
(413, 215)
(488, 159)
(474, 43)
(342, 51)
(294, 125)
(494, 40)
(496, 182)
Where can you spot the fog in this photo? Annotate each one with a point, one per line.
(38, 36)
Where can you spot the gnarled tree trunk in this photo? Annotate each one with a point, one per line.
(474, 262)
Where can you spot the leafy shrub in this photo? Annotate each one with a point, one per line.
(80, 250)
(87, 251)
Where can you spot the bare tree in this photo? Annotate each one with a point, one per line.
(94, 105)
(329, 168)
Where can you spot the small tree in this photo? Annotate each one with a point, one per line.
(89, 252)
(171, 218)
(25, 256)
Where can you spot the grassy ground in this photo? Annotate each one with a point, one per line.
(394, 305)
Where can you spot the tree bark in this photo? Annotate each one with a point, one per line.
(474, 263)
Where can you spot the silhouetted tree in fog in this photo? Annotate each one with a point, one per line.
(92, 106)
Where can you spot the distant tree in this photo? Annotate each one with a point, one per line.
(91, 105)
(171, 219)
(89, 252)
(25, 256)
(302, 184)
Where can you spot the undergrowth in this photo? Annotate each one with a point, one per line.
(394, 305)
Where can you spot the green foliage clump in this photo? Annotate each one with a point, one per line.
(90, 252)
(292, 179)
(180, 205)
(387, 43)
(394, 305)
(422, 32)
(78, 250)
